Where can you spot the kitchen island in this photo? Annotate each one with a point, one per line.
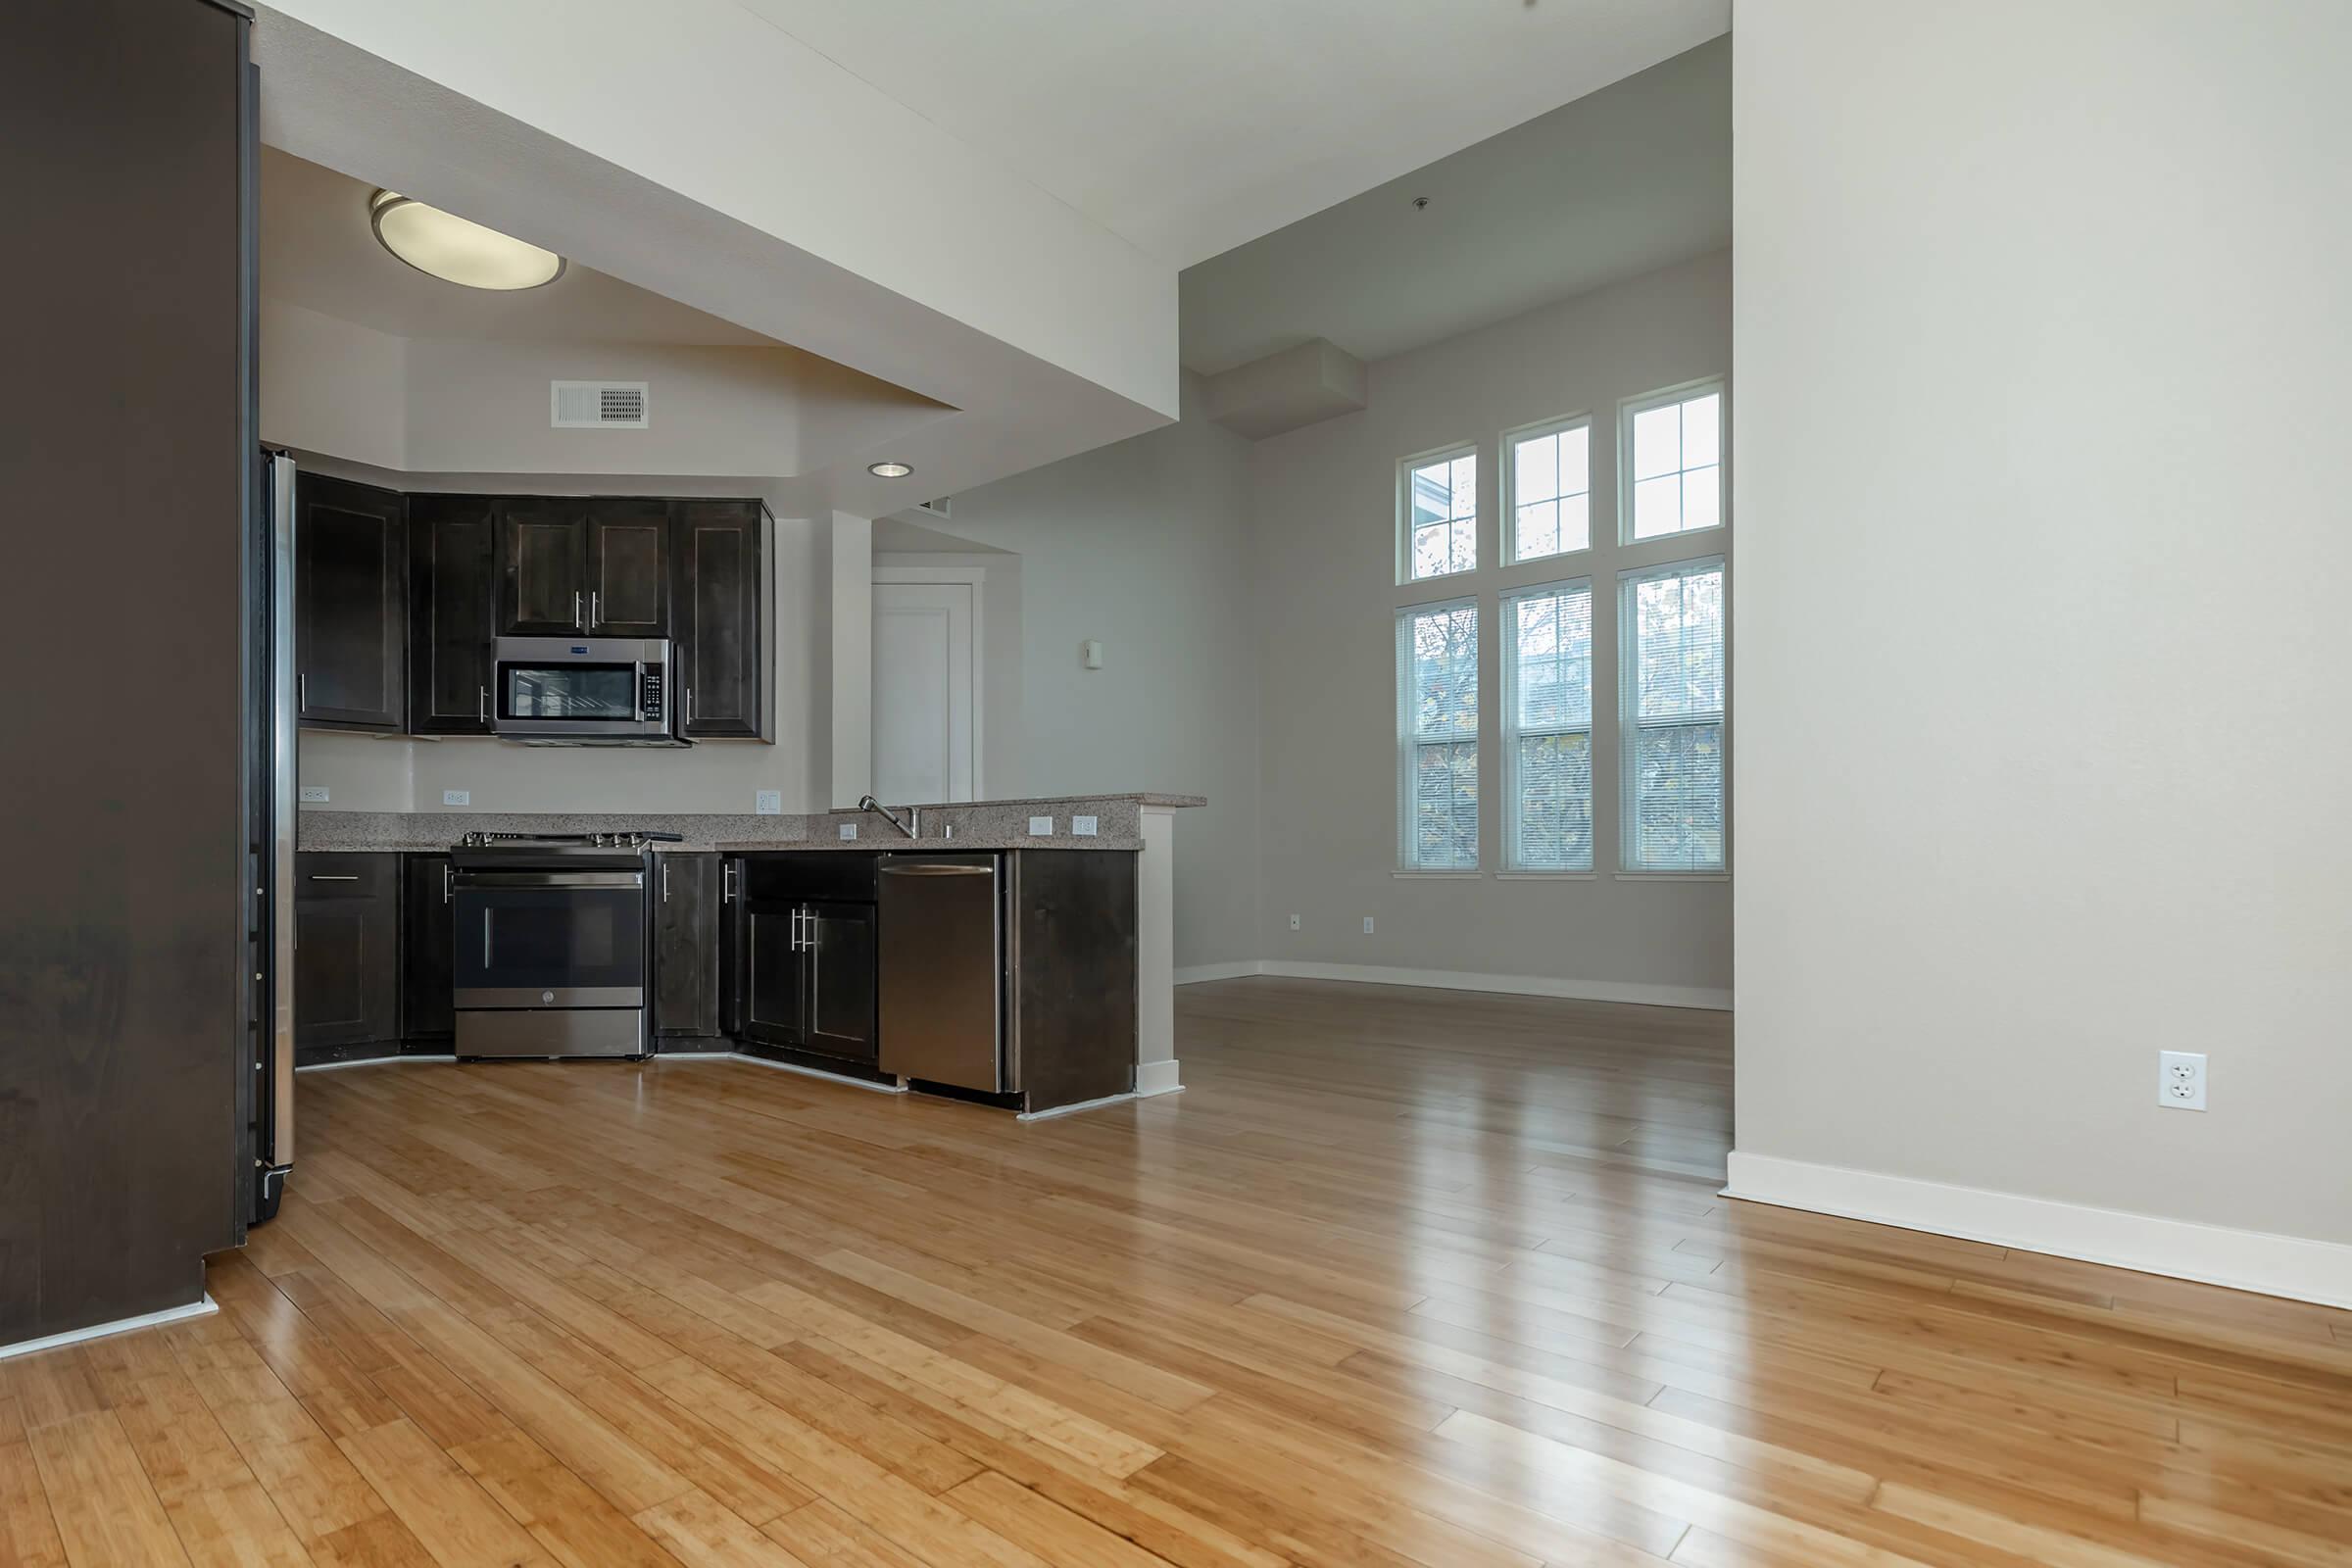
(836, 942)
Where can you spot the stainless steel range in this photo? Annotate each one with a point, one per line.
(551, 938)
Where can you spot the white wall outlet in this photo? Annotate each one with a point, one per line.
(1086, 827)
(1041, 828)
(848, 831)
(2180, 1079)
(316, 795)
(1367, 925)
(1294, 922)
(767, 802)
(1090, 653)
(457, 796)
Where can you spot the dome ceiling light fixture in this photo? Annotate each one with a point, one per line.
(457, 250)
(890, 471)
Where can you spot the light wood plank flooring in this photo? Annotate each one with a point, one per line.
(1402, 1278)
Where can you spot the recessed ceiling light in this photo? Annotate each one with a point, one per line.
(457, 250)
(889, 470)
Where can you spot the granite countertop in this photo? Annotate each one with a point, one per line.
(979, 825)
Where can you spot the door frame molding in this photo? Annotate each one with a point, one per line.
(976, 579)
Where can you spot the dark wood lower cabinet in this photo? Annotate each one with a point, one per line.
(346, 953)
(838, 948)
(686, 948)
(802, 975)
(427, 963)
(773, 983)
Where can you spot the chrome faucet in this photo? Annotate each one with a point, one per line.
(867, 802)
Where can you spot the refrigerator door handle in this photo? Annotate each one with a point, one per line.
(286, 689)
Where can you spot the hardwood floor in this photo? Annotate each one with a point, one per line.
(1402, 1278)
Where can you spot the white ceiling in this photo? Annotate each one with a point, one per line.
(1632, 178)
(1188, 128)
(318, 252)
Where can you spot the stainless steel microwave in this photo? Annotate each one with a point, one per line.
(583, 691)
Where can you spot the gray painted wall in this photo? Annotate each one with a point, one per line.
(2040, 610)
(1324, 533)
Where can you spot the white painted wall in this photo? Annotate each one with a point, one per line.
(330, 385)
(1323, 557)
(1144, 545)
(2040, 730)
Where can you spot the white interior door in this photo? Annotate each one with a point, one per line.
(926, 692)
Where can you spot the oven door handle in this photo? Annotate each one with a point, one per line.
(471, 880)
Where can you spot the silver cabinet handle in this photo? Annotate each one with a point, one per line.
(301, 692)
(665, 879)
(595, 616)
(792, 945)
(726, 883)
(481, 704)
(446, 870)
(321, 876)
(688, 705)
(576, 622)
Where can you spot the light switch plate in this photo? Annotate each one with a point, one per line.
(1041, 828)
(314, 795)
(1367, 925)
(767, 802)
(457, 796)
(848, 831)
(1086, 827)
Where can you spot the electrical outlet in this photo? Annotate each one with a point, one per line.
(457, 796)
(1367, 925)
(1041, 828)
(1084, 827)
(2180, 1079)
(767, 802)
(1294, 922)
(314, 795)
(848, 831)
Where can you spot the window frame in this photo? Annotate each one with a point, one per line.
(1630, 722)
(1450, 453)
(1507, 482)
(1627, 410)
(1410, 739)
(1510, 733)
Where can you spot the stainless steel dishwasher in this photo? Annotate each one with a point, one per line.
(942, 969)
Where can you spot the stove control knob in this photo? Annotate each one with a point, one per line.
(547, 995)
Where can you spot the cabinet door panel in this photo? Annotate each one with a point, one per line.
(775, 976)
(629, 554)
(545, 567)
(351, 596)
(686, 939)
(453, 614)
(345, 949)
(427, 933)
(839, 947)
(721, 630)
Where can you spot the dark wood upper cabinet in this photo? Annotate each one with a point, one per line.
(350, 576)
(686, 945)
(723, 635)
(629, 568)
(543, 565)
(453, 584)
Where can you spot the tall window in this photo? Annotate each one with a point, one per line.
(1436, 736)
(1438, 506)
(1547, 727)
(1670, 462)
(1670, 622)
(1551, 472)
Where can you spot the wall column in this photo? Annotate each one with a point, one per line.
(1155, 1071)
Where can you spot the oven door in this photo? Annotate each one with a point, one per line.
(550, 939)
(555, 688)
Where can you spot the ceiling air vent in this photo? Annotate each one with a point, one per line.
(596, 404)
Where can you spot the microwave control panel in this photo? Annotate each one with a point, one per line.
(650, 691)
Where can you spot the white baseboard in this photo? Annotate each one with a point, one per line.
(2291, 1266)
(1510, 985)
(1239, 968)
(1156, 1078)
(202, 1307)
(1076, 1108)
